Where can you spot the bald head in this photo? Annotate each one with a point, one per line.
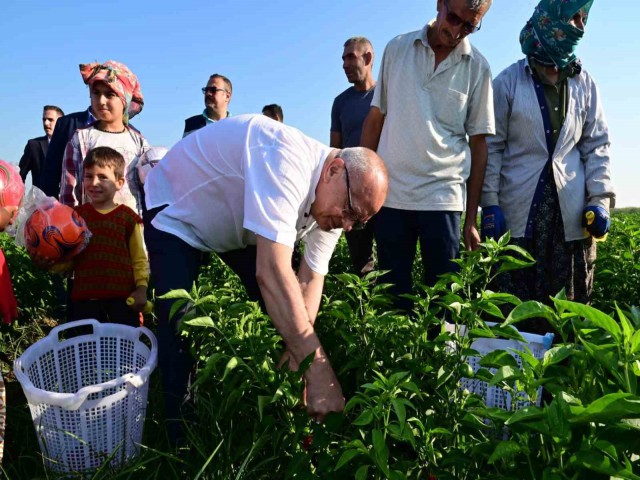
(351, 189)
(368, 178)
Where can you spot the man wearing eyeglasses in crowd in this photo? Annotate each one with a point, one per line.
(217, 96)
(433, 92)
(248, 189)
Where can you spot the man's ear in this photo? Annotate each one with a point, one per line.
(120, 183)
(332, 168)
(336, 166)
(368, 58)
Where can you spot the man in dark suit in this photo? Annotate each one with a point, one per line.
(217, 95)
(52, 167)
(36, 148)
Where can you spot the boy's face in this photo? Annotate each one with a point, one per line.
(7, 214)
(101, 185)
(106, 105)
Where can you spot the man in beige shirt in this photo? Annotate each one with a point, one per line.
(431, 111)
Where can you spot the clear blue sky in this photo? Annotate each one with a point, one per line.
(278, 51)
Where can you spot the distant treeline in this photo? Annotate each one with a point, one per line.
(627, 210)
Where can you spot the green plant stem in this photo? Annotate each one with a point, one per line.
(533, 475)
(626, 363)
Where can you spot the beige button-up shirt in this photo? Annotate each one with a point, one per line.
(428, 115)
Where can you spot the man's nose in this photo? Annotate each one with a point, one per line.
(458, 31)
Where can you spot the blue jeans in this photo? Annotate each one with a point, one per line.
(397, 232)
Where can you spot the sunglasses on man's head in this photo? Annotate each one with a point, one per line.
(455, 20)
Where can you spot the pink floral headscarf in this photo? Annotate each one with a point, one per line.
(120, 79)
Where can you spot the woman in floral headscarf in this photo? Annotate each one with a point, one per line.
(115, 99)
(548, 176)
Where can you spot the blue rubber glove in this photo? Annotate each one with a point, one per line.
(493, 222)
(596, 221)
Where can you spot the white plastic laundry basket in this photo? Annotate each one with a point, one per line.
(88, 393)
(494, 396)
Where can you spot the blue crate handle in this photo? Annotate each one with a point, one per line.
(547, 340)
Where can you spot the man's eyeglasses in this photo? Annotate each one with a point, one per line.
(212, 90)
(455, 20)
(357, 224)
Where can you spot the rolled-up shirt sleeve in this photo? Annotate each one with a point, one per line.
(379, 99)
(319, 246)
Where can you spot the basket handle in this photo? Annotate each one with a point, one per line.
(55, 332)
(69, 401)
(139, 378)
(74, 401)
(134, 379)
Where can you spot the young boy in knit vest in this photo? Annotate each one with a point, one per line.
(114, 265)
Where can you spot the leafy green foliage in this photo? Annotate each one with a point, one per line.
(618, 264)
(406, 415)
(33, 288)
(36, 300)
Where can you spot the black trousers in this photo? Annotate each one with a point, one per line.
(175, 265)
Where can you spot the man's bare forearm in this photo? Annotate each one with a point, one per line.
(311, 285)
(284, 299)
(479, 156)
(372, 129)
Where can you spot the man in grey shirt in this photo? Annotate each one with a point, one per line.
(349, 110)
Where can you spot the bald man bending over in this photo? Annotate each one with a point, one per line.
(248, 189)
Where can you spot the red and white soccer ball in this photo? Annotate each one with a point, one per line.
(56, 233)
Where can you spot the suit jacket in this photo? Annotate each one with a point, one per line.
(52, 167)
(33, 158)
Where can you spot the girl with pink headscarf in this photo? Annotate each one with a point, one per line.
(115, 99)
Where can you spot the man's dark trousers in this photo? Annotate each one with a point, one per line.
(360, 243)
(175, 265)
(397, 233)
